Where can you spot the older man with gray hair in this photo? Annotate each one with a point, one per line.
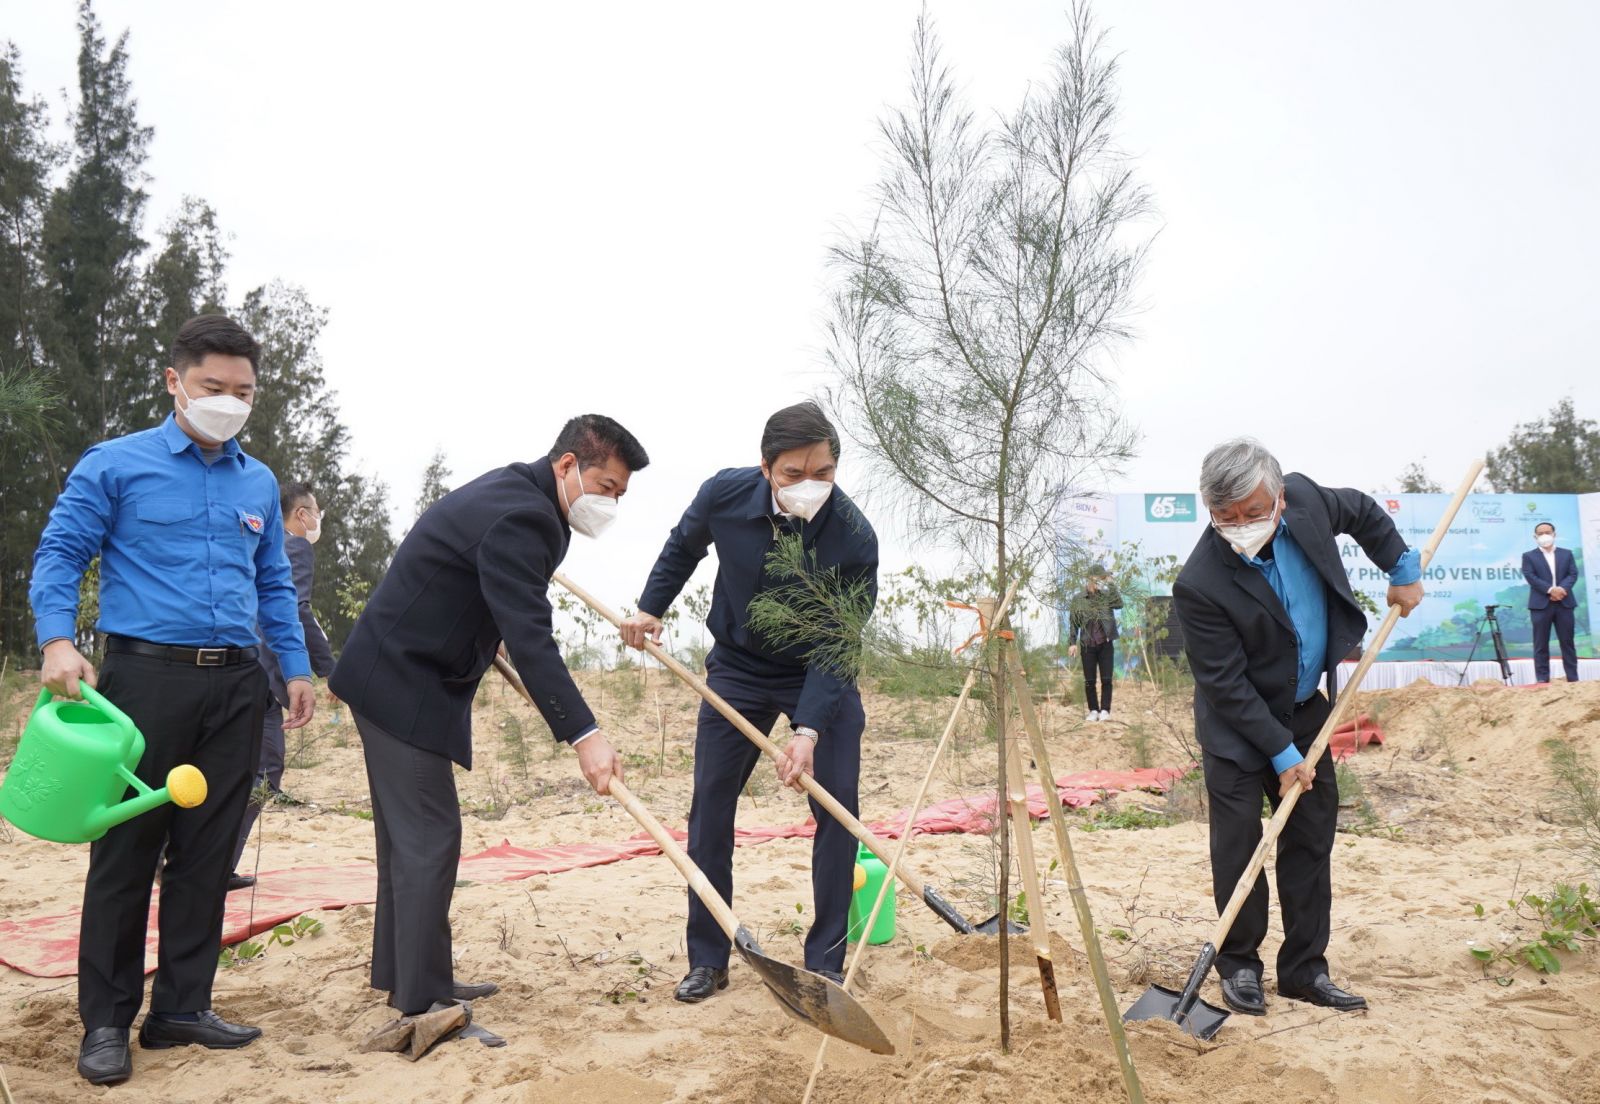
(1267, 613)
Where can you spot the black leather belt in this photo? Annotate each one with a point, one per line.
(191, 657)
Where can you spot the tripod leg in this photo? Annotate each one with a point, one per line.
(1477, 638)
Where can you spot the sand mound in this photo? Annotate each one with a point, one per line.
(1456, 809)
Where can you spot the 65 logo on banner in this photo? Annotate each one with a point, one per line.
(1169, 507)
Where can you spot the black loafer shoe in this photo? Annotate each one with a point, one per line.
(210, 1030)
(700, 983)
(105, 1058)
(1325, 993)
(471, 991)
(832, 975)
(1242, 993)
(240, 881)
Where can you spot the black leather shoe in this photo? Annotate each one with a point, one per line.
(1242, 993)
(105, 1058)
(832, 975)
(210, 1030)
(471, 991)
(240, 881)
(701, 982)
(1325, 993)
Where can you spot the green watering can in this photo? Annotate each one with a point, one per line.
(75, 762)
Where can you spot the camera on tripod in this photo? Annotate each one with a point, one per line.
(1493, 624)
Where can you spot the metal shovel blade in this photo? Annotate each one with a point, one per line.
(813, 999)
(1203, 1020)
(991, 926)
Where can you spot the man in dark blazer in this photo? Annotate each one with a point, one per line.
(1551, 573)
(302, 523)
(745, 512)
(473, 571)
(1267, 612)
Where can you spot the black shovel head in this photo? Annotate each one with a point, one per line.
(1160, 1003)
(991, 926)
(813, 999)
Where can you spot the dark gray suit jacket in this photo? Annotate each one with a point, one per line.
(302, 563)
(474, 570)
(1240, 641)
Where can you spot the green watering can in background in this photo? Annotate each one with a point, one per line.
(74, 763)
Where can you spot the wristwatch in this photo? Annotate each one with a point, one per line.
(808, 733)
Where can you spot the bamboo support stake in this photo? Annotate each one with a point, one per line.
(904, 843)
(1022, 830)
(1080, 900)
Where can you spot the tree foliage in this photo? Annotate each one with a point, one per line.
(434, 486)
(1556, 454)
(968, 324)
(1414, 479)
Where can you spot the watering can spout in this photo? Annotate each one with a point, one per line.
(185, 788)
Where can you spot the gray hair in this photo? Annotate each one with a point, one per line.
(1234, 469)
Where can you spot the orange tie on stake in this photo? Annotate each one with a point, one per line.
(984, 631)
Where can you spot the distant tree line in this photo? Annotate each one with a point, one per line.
(88, 310)
(1556, 454)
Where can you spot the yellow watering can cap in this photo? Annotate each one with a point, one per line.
(861, 875)
(186, 786)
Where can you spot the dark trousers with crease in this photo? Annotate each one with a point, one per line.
(417, 818)
(1303, 862)
(270, 774)
(1562, 621)
(210, 717)
(1098, 659)
(723, 761)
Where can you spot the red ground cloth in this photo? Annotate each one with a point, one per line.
(47, 946)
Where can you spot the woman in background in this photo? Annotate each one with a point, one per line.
(1092, 630)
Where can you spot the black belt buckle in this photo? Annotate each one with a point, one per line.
(211, 657)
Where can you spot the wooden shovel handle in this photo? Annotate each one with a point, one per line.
(1341, 705)
(750, 731)
(669, 846)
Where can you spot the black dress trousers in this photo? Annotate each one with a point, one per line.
(417, 818)
(723, 761)
(210, 717)
(1303, 861)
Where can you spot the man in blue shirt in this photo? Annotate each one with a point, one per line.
(1267, 613)
(745, 512)
(190, 542)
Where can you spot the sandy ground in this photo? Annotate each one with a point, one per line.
(1458, 812)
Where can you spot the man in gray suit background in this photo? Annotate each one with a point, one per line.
(302, 520)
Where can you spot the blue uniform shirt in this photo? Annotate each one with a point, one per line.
(190, 553)
(1305, 598)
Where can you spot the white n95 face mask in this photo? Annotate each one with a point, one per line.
(589, 514)
(805, 498)
(1250, 538)
(314, 532)
(1546, 539)
(215, 417)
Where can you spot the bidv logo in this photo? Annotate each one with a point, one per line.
(1172, 507)
(1489, 512)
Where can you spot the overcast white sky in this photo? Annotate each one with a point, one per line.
(1378, 232)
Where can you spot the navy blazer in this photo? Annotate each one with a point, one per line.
(302, 565)
(474, 570)
(733, 510)
(1240, 640)
(1537, 572)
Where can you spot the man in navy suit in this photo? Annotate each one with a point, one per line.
(1551, 573)
(744, 512)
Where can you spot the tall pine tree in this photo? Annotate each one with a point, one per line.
(92, 246)
(26, 387)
